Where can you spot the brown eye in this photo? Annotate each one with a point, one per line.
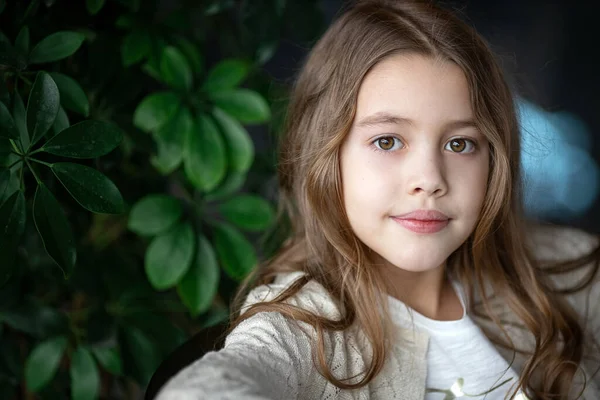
(460, 146)
(388, 143)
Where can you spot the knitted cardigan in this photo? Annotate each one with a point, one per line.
(269, 357)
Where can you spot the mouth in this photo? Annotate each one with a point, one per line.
(423, 221)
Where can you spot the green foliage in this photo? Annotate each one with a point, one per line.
(154, 214)
(204, 155)
(92, 190)
(43, 362)
(55, 47)
(198, 286)
(53, 226)
(236, 253)
(9, 129)
(72, 96)
(132, 196)
(243, 104)
(169, 256)
(248, 212)
(42, 107)
(85, 379)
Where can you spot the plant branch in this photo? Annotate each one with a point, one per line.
(37, 178)
(39, 161)
(22, 180)
(36, 151)
(26, 80)
(15, 148)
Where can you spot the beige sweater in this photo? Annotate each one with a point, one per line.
(269, 357)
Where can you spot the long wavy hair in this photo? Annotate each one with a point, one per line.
(321, 244)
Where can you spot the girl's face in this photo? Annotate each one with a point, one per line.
(414, 166)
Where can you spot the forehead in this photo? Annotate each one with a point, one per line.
(419, 88)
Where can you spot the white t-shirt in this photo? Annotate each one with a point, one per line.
(461, 361)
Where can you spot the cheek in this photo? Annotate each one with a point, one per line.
(365, 180)
(471, 178)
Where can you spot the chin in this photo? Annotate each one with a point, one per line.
(415, 264)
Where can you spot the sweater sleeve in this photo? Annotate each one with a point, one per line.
(267, 356)
(263, 358)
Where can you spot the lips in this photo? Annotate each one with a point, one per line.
(423, 221)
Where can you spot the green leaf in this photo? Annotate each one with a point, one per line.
(12, 226)
(231, 184)
(174, 69)
(158, 326)
(54, 229)
(20, 116)
(3, 39)
(154, 214)
(155, 110)
(8, 128)
(22, 41)
(170, 140)
(61, 122)
(191, 52)
(125, 21)
(86, 139)
(266, 51)
(248, 212)
(94, 6)
(42, 363)
(246, 105)
(72, 96)
(9, 184)
(236, 254)
(205, 162)
(5, 177)
(34, 319)
(136, 46)
(199, 285)
(140, 354)
(226, 75)
(168, 156)
(4, 95)
(109, 358)
(85, 379)
(91, 189)
(169, 256)
(42, 107)
(240, 147)
(55, 47)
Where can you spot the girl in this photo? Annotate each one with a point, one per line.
(409, 273)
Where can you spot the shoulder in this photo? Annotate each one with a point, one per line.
(560, 243)
(551, 245)
(580, 280)
(273, 327)
(312, 297)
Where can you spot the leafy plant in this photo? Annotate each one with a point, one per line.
(132, 196)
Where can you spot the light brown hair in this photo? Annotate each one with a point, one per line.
(322, 244)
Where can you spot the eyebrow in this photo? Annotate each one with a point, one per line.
(385, 118)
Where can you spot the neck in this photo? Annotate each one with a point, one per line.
(429, 293)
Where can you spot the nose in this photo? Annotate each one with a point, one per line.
(428, 176)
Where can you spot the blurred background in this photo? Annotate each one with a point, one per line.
(137, 144)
